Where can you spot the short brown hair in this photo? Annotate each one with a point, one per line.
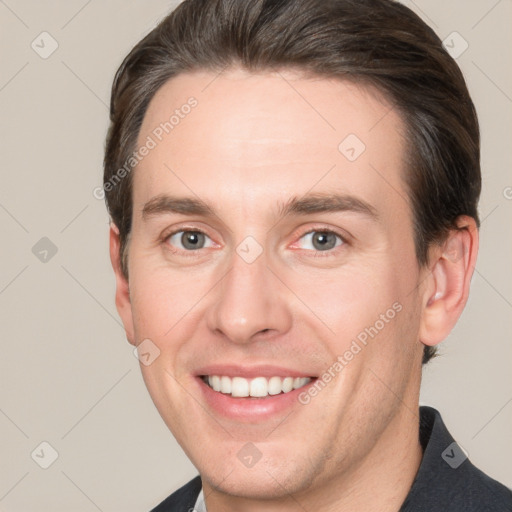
(373, 42)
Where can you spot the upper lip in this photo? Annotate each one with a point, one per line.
(233, 370)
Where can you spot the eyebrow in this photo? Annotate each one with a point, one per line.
(310, 203)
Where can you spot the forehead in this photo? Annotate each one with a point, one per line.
(268, 136)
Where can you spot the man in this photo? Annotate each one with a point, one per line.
(293, 189)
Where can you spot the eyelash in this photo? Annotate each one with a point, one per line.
(315, 253)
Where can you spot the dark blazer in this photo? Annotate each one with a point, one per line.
(183, 499)
(446, 479)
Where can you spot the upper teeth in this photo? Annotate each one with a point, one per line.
(257, 387)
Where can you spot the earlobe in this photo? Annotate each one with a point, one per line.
(448, 281)
(123, 303)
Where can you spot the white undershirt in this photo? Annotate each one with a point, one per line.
(200, 505)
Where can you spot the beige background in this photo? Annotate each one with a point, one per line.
(68, 377)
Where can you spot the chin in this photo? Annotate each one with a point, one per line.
(258, 485)
(268, 479)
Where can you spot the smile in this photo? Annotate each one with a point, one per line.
(258, 387)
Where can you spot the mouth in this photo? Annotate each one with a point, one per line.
(252, 394)
(257, 387)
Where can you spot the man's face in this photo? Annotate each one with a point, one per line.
(280, 282)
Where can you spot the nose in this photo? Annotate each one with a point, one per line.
(249, 301)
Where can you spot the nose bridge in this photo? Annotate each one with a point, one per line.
(248, 299)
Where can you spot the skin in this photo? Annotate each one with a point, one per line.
(253, 142)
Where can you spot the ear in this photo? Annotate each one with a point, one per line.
(123, 304)
(447, 283)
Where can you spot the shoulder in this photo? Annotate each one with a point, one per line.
(447, 480)
(467, 490)
(484, 493)
(183, 499)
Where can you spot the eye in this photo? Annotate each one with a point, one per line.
(189, 240)
(321, 241)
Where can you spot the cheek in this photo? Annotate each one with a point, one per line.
(163, 300)
(349, 299)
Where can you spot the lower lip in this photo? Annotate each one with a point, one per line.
(250, 409)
